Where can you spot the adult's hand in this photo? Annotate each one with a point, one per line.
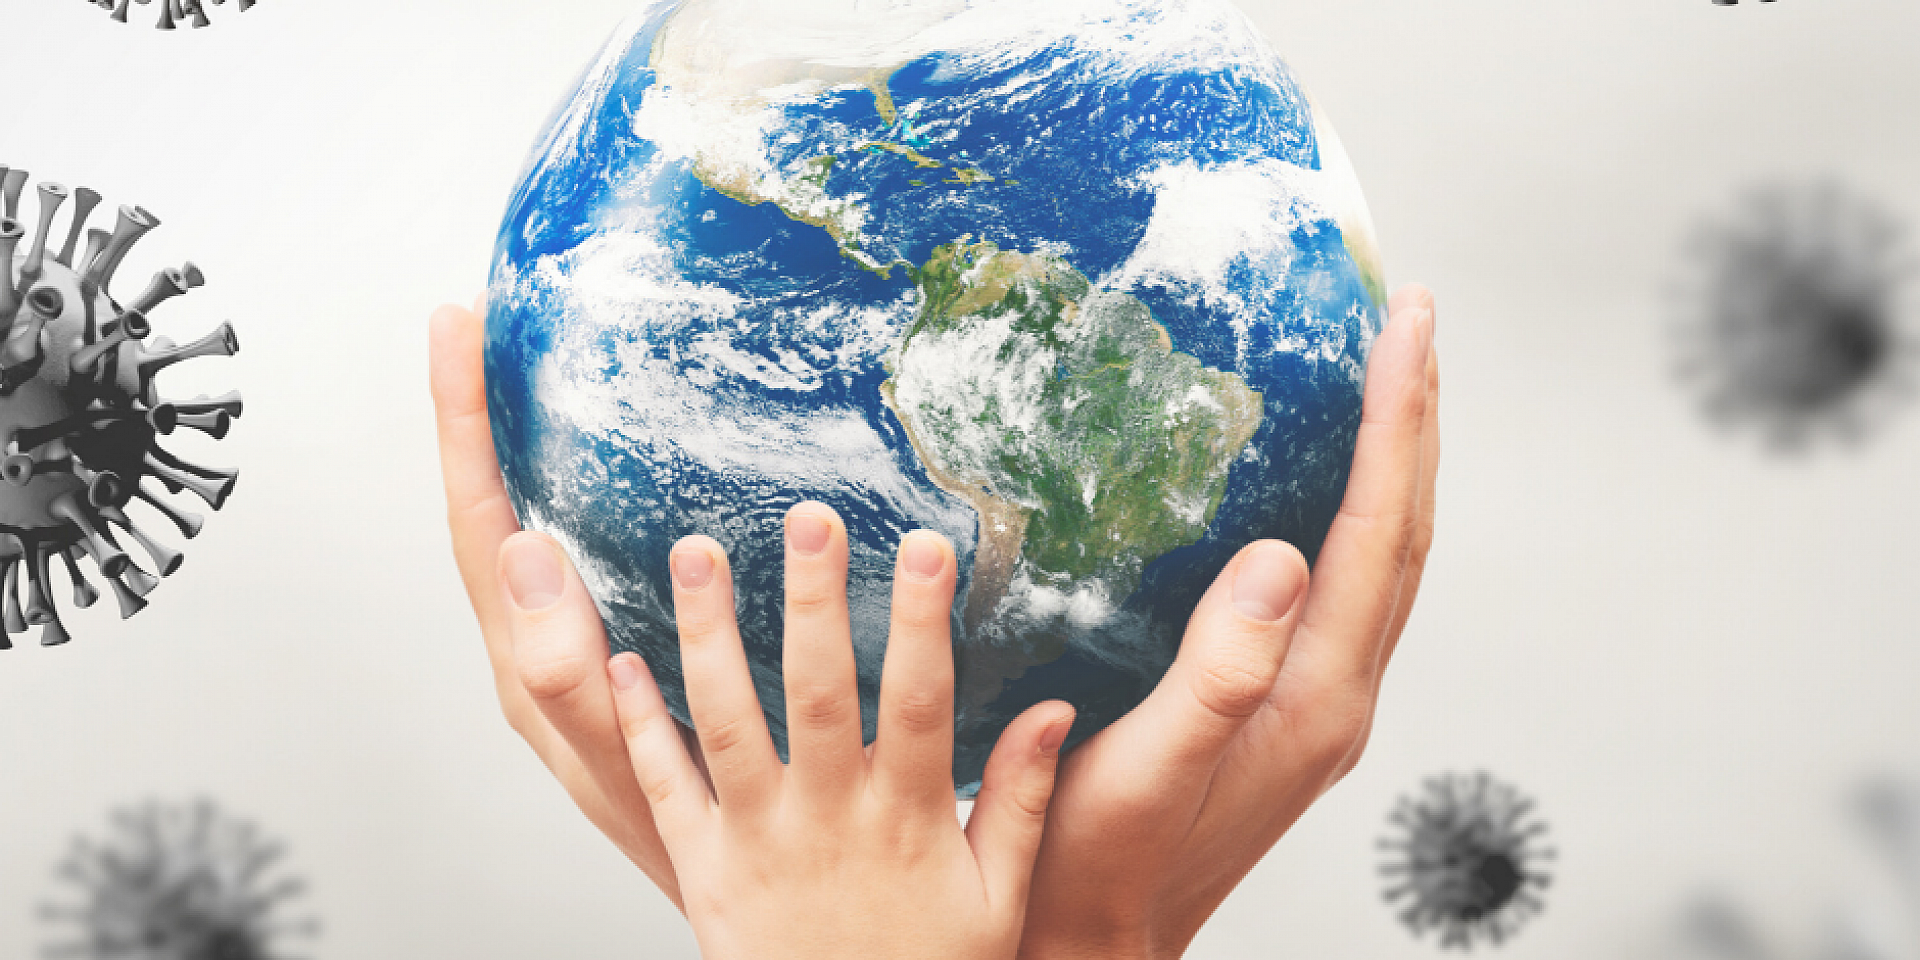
(543, 636)
(1156, 818)
(1270, 702)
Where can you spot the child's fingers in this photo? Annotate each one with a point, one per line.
(726, 710)
(1005, 828)
(823, 693)
(913, 754)
(662, 770)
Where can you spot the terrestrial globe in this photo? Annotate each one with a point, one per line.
(1087, 286)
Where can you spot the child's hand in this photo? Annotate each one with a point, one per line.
(844, 852)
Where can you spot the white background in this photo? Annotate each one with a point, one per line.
(1686, 649)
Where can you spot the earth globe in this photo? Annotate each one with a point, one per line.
(1088, 286)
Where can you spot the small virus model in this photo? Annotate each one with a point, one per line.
(172, 12)
(1797, 320)
(175, 882)
(1465, 860)
(79, 414)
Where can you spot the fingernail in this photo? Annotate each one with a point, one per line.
(808, 535)
(1425, 326)
(624, 670)
(1263, 589)
(921, 556)
(532, 569)
(692, 568)
(1056, 735)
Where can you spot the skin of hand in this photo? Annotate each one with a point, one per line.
(1156, 818)
(845, 850)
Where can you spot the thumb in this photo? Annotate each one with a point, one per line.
(1011, 809)
(1228, 662)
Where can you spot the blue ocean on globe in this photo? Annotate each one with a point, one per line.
(1087, 286)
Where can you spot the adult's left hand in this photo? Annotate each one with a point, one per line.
(543, 635)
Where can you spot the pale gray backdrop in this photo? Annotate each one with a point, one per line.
(1686, 649)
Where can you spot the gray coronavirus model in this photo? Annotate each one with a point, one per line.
(172, 12)
(79, 412)
(1466, 860)
(1796, 320)
(176, 882)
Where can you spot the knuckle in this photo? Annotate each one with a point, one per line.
(920, 613)
(906, 833)
(1423, 534)
(1335, 729)
(698, 626)
(1124, 809)
(921, 712)
(462, 409)
(1353, 755)
(635, 728)
(814, 601)
(820, 705)
(518, 720)
(1030, 798)
(1400, 521)
(1416, 400)
(1025, 801)
(469, 507)
(553, 675)
(907, 841)
(1233, 687)
(725, 735)
(659, 788)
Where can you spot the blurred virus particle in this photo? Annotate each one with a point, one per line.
(1886, 811)
(1713, 927)
(175, 882)
(1729, 3)
(80, 414)
(1796, 321)
(172, 12)
(1465, 860)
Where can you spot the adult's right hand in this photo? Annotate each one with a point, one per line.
(1158, 817)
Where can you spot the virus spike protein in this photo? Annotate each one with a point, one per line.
(80, 414)
(172, 12)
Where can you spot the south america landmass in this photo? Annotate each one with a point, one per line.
(1064, 416)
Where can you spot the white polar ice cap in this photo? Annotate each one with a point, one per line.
(763, 49)
(768, 50)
